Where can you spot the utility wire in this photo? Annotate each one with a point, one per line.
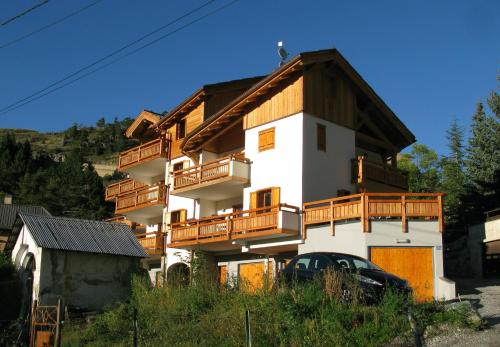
(24, 13)
(60, 20)
(7, 109)
(86, 67)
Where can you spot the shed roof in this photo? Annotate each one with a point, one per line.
(81, 235)
(8, 213)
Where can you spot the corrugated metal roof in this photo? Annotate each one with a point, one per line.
(81, 235)
(8, 213)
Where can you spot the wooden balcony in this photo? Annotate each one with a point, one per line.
(152, 242)
(374, 206)
(122, 187)
(372, 176)
(260, 223)
(145, 163)
(218, 179)
(122, 219)
(144, 205)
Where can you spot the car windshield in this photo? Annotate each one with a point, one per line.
(353, 263)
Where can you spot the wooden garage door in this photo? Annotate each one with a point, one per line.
(252, 276)
(413, 264)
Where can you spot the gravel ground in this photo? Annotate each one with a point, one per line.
(485, 297)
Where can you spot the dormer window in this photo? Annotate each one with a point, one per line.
(180, 129)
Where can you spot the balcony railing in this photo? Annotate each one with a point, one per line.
(140, 198)
(205, 172)
(152, 242)
(363, 170)
(133, 225)
(366, 206)
(122, 187)
(157, 148)
(237, 225)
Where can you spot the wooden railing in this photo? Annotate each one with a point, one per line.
(122, 187)
(366, 206)
(152, 242)
(122, 219)
(147, 151)
(363, 169)
(146, 196)
(205, 172)
(239, 224)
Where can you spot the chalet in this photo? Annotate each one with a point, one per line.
(255, 171)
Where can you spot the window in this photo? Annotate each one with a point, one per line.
(180, 129)
(178, 166)
(320, 263)
(266, 139)
(321, 137)
(302, 263)
(264, 198)
(178, 216)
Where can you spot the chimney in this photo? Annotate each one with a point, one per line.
(7, 200)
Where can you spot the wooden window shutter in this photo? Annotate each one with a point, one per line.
(275, 193)
(321, 137)
(266, 139)
(182, 215)
(253, 200)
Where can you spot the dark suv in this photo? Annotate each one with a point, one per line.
(372, 280)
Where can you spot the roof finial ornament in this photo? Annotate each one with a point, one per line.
(282, 53)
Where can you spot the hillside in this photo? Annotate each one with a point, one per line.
(100, 144)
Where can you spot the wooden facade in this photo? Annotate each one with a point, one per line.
(193, 119)
(366, 206)
(285, 100)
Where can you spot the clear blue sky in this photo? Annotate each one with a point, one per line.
(429, 60)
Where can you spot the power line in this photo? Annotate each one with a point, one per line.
(10, 109)
(60, 20)
(24, 13)
(86, 67)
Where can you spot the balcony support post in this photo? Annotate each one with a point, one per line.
(332, 223)
(404, 222)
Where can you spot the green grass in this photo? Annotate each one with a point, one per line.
(207, 315)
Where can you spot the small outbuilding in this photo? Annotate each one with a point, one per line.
(88, 264)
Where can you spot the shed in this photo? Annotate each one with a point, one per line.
(87, 263)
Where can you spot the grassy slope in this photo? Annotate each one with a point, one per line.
(53, 143)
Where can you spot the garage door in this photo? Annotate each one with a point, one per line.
(251, 276)
(414, 264)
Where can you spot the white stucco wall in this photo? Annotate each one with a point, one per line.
(24, 245)
(280, 166)
(350, 239)
(325, 172)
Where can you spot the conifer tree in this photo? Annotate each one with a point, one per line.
(453, 176)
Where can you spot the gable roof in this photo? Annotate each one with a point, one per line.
(201, 95)
(236, 109)
(8, 213)
(70, 234)
(144, 121)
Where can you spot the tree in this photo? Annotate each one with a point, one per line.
(453, 176)
(483, 154)
(422, 164)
